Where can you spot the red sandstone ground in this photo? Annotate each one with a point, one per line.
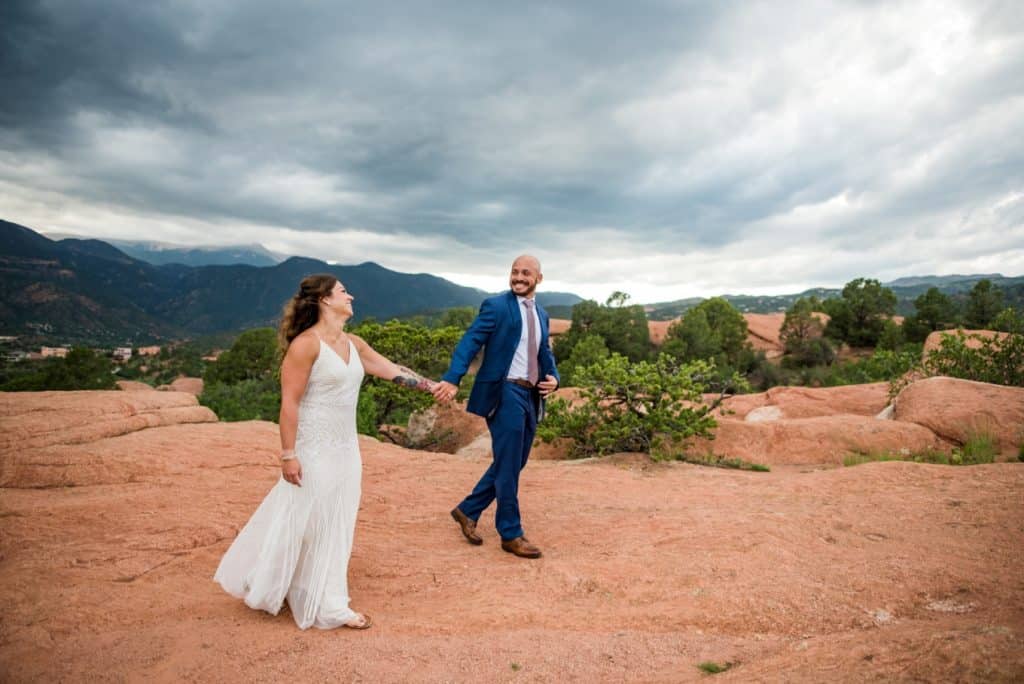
(885, 571)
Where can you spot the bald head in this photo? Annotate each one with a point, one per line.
(527, 260)
(525, 275)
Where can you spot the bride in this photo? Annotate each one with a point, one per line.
(297, 544)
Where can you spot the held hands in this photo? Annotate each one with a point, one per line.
(548, 385)
(444, 391)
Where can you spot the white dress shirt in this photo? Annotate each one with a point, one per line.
(519, 369)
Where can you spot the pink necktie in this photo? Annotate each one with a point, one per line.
(531, 344)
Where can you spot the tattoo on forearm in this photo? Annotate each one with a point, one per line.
(412, 380)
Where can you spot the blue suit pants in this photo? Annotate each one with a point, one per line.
(512, 428)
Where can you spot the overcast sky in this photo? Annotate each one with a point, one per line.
(667, 149)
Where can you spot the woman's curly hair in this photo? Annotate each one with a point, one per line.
(302, 311)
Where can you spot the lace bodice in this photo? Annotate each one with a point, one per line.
(327, 410)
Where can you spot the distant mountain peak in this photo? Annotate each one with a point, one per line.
(914, 281)
(159, 253)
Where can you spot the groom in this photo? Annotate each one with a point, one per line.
(517, 372)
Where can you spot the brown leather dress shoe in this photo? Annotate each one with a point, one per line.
(520, 547)
(468, 527)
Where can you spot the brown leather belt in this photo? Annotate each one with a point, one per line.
(522, 383)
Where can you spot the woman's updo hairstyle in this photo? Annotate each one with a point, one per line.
(302, 311)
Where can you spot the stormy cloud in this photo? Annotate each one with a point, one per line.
(662, 148)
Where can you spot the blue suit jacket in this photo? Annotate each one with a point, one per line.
(497, 329)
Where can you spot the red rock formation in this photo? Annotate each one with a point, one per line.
(35, 419)
(817, 440)
(954, 409)
(193, 386)
(808, 402)
(443, 427)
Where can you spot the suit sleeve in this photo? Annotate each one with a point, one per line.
(472, 342)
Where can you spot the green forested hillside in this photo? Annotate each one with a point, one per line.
(956, 287)
(89, 291)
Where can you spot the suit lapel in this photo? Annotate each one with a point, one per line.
(516, 317)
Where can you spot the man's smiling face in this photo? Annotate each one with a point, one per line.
(525, 276)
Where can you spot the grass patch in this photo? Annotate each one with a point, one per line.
(515, 667)
(979, 447)
(715, 461)
(872, 457)
(711, 667)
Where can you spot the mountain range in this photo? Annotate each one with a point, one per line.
(906, 290)
(90, 291)
(159, 253)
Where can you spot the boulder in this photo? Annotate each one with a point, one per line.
(808, 402)
(817, 440)
(193, 386)
(36, 419)
(954, 409)
(443, 428)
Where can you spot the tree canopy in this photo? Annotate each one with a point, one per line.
(623, 328)
(984, 303)
(712, 330)
(858, 316)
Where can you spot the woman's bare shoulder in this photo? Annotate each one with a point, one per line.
(305, 346)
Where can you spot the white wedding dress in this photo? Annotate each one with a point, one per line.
(297, 544)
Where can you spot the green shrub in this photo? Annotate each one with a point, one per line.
(881, 366)
(648, 406)
(258, 399)
(253, 356)
(995, 360)
(858, 316)
(424, 350)
(589, 350)
(81, 369)
(367, 411)
(816, 351)
(713, 330)
(892, 337)
(173, 361)
(622, 328)
(711, 667)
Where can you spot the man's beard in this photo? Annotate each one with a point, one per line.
(529, 288)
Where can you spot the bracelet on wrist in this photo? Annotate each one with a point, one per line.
(288, 455)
